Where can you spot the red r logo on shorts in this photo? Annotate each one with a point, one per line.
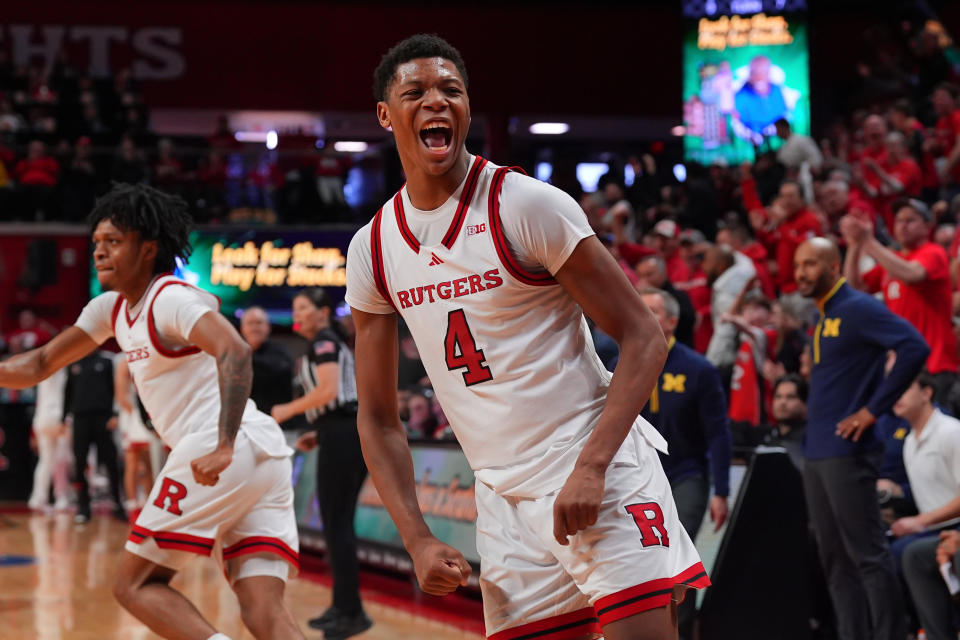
(649, 519)
(177, 492)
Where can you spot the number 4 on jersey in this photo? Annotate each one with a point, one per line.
(462, 352)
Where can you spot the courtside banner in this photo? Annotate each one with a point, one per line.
(445, 490)
(264, 267)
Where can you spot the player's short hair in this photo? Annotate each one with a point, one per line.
(421, 45)
(153, 214)
(670, 304)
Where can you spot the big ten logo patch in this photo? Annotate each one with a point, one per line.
(675, 383)
(138, 354)
(474, 229)
(831, 327)
(649, 519)
(173, 492)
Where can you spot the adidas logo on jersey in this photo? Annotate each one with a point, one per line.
(434, 260)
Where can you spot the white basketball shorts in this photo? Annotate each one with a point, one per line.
(626, 563)
(248, 514)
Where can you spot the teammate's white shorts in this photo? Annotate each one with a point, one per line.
(246, 520)
(627, 563)
(135, 434)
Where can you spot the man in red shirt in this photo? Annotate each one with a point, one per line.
(899, 175)
(666, 239)
(37, 169)
(782, 229)
(946, 142)
(875, 153)
(915, 282)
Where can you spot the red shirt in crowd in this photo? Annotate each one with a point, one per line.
(758, 254)
(878, 155)
(947, 130)
(926, 305)
(37, 172)
(783, 242)
(907, 172)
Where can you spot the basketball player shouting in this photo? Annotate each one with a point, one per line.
(225, 488)
(577, 530)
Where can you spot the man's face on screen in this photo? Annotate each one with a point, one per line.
(429, 112)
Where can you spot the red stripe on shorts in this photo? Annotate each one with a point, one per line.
(649, 595)
(263, 544)
(171, 540)
(567, 626)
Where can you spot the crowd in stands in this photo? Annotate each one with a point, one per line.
(66, 136)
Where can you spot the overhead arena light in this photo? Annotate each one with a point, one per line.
(549, 128)
(678, 130)
(272, 140)
(251, 136)
(350, 146)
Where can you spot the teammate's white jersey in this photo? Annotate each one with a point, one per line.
(507, 350)
(177, 382)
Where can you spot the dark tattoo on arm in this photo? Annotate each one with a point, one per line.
(236, 376)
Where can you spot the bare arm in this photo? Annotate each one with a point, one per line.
(27, 369)
(598, 285)
(121, 385)
(851, 265)
(328, 383)
(215, 335)
(440, 569)
(898, 268)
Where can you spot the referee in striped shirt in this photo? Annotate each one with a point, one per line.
(326, 377)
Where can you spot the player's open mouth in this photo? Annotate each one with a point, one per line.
(436, 136)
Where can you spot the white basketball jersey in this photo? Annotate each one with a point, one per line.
(179, 387)
(507, 350)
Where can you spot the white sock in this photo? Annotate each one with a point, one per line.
(218, 636)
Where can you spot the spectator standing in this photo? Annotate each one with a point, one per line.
(88, 405)
(788, 224)
(899, 176)
(728, 272)
(689, 409)
(272, 365)
(945, 145)
(847, 390)
(129, 165)
(915, 282)
(326, 377)
(797, 149)
(652, 272)
(37, 175)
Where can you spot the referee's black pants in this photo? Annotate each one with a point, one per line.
(842, 503)
(340, 473)
(91, 428)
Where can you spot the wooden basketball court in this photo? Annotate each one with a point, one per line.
(55, 581)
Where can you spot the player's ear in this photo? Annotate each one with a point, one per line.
(383, 115)
(149, 249)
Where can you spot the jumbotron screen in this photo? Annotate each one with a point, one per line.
(741, 73)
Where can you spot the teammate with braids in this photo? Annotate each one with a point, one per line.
(225, 488)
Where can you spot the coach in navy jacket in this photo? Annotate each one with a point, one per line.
(848, 389)
(689, 409)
